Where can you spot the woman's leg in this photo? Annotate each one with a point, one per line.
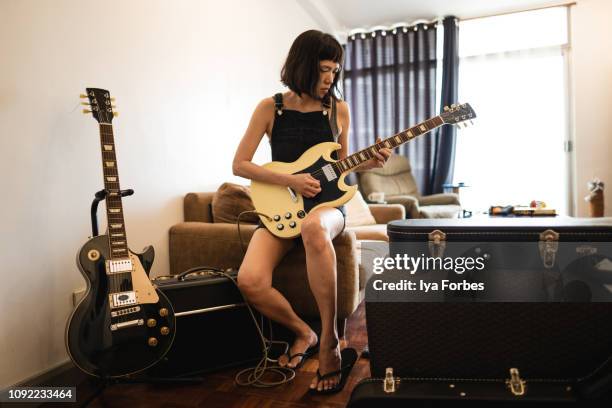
(264, 253)
(319, 228)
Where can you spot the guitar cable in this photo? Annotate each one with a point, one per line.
(254, 375)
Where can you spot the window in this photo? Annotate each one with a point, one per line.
(512, 71)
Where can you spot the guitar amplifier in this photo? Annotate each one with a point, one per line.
(214, 328)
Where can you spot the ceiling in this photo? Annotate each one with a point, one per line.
(345, 15)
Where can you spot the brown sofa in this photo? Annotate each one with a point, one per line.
(199, 241)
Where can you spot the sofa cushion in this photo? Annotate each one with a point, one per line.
(229, 201)
(440, 211)
(376, 232)
(357, 212)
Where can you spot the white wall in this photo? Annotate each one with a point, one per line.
(186, 75)
(592, 77)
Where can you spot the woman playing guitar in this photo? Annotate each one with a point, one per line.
(308, 114)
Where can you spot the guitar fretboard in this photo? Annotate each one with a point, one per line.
(355, 159)
(114, 207)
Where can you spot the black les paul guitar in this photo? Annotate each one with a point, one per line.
(123, 324)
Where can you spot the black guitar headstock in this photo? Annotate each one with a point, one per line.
(101, 105)
(458, 114)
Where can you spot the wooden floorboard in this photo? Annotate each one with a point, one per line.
(219, 390)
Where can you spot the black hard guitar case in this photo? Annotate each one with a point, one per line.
(542, 336)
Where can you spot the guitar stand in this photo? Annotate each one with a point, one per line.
(100, 196)
(136, 379)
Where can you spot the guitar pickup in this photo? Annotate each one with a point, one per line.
(119, 266)
(125, 325)
(329, 172)
(122, 299)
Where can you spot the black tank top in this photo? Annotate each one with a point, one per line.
(294, 132)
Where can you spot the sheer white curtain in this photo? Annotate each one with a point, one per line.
(513, 72)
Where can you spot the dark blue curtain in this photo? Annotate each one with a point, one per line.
(444, 139)
(390, 85)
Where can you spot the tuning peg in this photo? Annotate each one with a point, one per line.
(83, 96)
(446, 109)
(453, 106)
(115, 114)
(86, 111)
(471, 122)
(85, 103)
(112, 99)
(114, 106)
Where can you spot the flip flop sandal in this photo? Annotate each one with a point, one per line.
(349, 358)
(307, 354)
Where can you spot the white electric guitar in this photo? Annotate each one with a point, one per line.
(285, 209)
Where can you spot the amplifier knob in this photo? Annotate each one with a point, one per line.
(288, 215)
(163, 312)
(292, 224)
(276, 218)
(164, 331)
(301, 214)
(152, 341)
(280, 227)
(151, 322)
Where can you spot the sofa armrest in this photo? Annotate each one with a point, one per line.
(384, 213)
(410, 203)
(440, 199)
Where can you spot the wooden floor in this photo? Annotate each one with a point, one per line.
(219, 390)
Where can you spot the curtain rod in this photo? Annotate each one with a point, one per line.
(392, 27)
(564, 4)
(438, 20)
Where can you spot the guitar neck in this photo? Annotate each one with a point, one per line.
(354, 160)
(114, 206)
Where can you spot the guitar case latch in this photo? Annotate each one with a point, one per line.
(548, 245)
(437, 243)
(516, 385)
(391, 383)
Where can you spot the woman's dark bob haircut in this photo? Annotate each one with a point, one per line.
(301, 70)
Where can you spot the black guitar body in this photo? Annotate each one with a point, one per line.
(97, 349)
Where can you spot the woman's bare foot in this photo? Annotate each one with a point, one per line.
(301, 343)
(329, 360)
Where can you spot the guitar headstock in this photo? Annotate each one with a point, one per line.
(101, 105)
(458, 114)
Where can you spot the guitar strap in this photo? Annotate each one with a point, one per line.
(332, 120)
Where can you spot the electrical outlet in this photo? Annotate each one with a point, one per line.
(77, 295)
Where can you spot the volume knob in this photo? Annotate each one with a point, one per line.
(301, 214)
(163, 312)
(280, 227)
(151, 322)
(152, 341)
(164, 331)
(288, 215)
